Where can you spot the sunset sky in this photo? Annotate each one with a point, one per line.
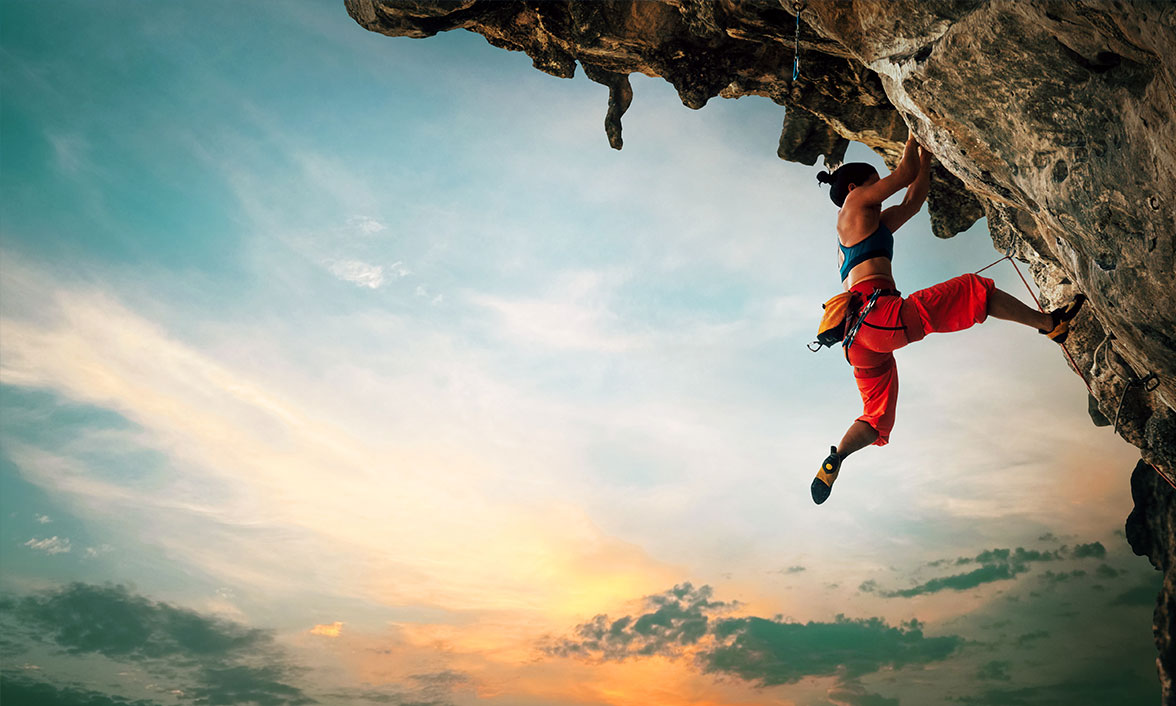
(343, 369)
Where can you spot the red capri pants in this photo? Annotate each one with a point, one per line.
(953, 305)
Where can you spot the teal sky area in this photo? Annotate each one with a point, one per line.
(343, 369)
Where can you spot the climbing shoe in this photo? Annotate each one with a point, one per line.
(1061, 320)
(823, 483)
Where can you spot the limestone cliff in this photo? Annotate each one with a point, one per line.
(1052, 119)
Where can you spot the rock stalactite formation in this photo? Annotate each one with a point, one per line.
(1053, 119)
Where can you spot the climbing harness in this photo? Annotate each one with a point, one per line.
(844, 315)
(1149, 382)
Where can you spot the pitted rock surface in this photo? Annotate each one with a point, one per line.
(1053, 119)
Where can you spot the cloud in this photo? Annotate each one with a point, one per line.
(1018, 556)
(111, 621)
(241, 684)
(52, 545)
(1026, 638)
(1051, 577)
(1133, 687)
(365, 225)
(573, 313)
(995, 670)
(330, 630)
(359, 273)
(350, 478)
(215, 660)
(1086, 551)
(43, 519)
(676, 618)
(772, 652)
(397, 698)
(429, 689)
(207, 660)
(446, 679)
(17, 689)
(792, 570)
(95, 552)
(1000, 564)
(1145, 595)
(956, 582)
(686, 622)
(71, 152)
(852, 693)
(1108, 572)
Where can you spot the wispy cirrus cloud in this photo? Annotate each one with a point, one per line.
(573, 312)
(95, 552)
(359, 499)
(49, 545)
(365, 225)
(71, 152)
(361, 273)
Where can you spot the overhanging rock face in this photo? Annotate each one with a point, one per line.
(1052, 119)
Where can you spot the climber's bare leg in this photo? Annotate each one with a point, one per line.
(1005, 306)
(857, 437)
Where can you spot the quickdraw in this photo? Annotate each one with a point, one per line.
(861, 318)
(1149, 383)
(796, 8)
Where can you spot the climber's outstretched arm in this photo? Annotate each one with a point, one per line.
(903, 176)
(916, 194)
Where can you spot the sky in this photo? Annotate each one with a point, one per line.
(343, 369)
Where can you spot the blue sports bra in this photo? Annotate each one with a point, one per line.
(879, 244)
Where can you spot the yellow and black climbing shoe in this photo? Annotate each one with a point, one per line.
(1061, 319)
(823, 483)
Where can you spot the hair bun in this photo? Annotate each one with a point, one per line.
(825, 177)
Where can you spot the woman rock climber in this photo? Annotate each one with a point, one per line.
(866, 246)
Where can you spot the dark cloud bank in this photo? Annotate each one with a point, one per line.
(999, 565)
(758, 650)
(688, 622)
(213, 662)
(111, 621)
(225, 663)
(21, 691)
(219, 663)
